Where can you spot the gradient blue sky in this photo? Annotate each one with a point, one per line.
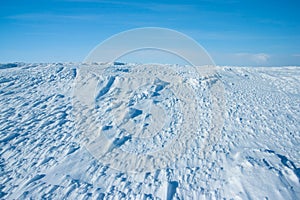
(234, 32)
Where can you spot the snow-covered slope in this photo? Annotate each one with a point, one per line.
(105, 131)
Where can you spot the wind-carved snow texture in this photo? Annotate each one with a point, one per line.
(77, 131)
(140, 117)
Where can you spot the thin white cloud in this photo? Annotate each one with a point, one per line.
(154, 6)
(51, 16)
(259, 58)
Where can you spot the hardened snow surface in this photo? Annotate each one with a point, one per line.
(104, 131)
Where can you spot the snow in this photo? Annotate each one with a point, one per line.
(132, 131)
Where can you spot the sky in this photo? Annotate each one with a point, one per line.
(234, 32)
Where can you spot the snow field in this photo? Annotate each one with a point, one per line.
(104, 131)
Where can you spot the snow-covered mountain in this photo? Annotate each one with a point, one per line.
(129, 131)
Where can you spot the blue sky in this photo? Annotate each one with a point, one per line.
(234, 32)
